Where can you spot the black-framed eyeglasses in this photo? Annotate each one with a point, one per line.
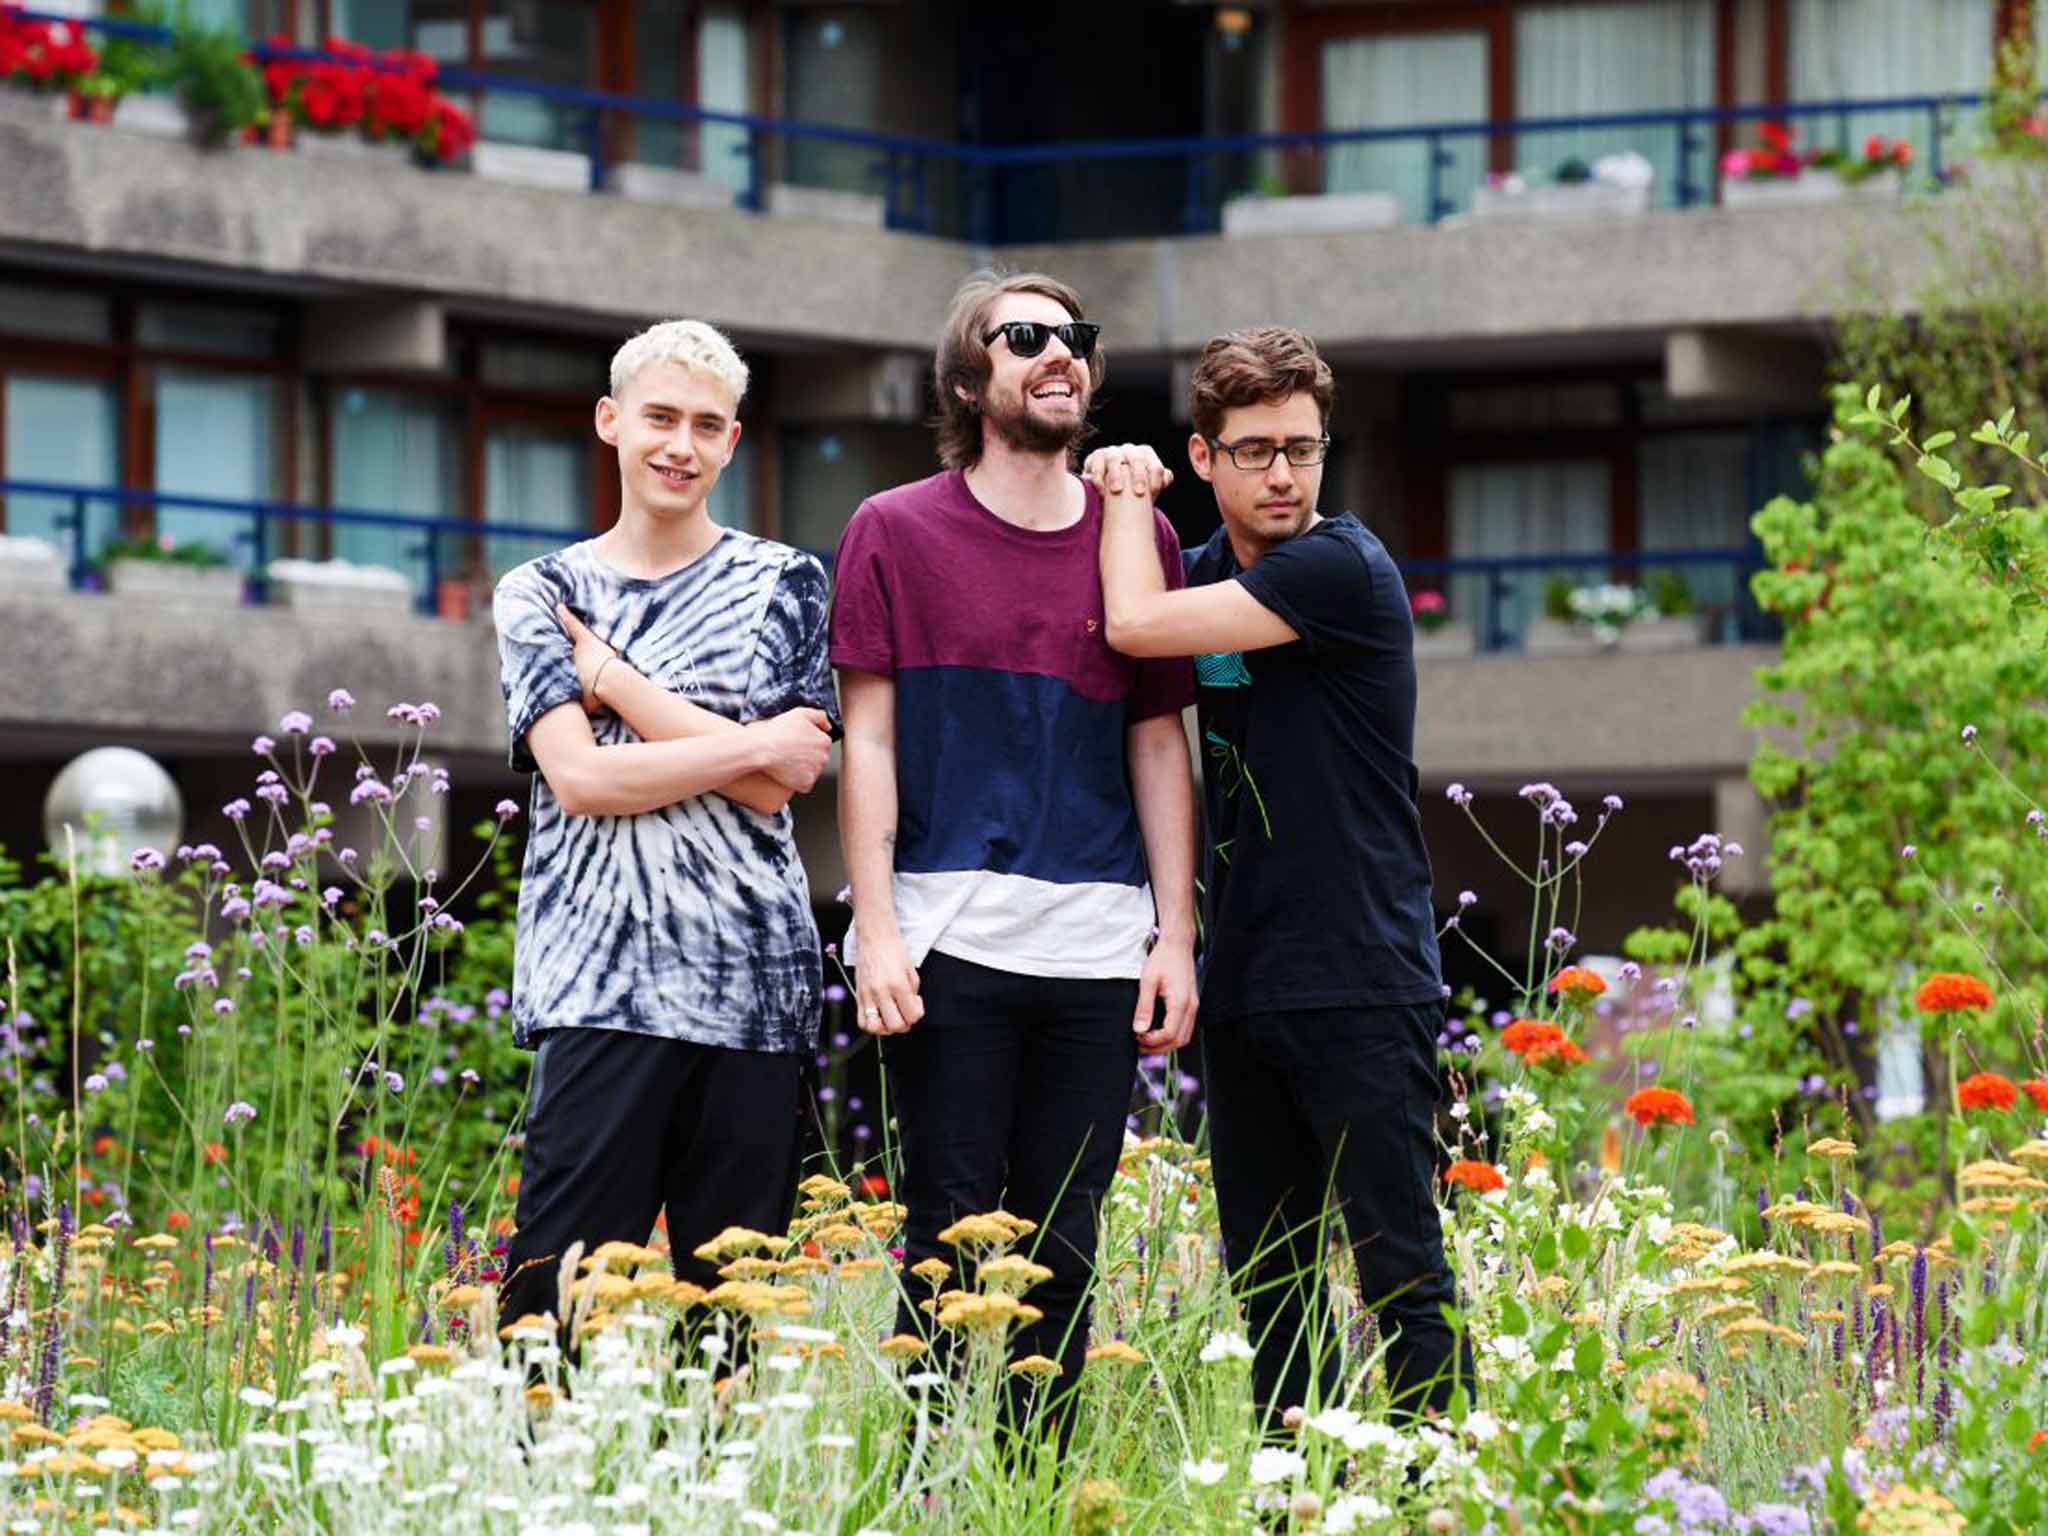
(1027, 338)
(1259, 452)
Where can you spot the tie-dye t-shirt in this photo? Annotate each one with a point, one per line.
(693, 921)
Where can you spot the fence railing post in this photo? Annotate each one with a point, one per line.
(1438, 207)
(1687, 143)
(259, 552)
(753, 197)
(430, 599)
(78, 540)
(1934, 143)
(593, 144)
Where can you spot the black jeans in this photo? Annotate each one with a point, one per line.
(1331, 1111)
(619, 1126)
(1011, 1094)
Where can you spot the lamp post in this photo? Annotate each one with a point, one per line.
(112, 800)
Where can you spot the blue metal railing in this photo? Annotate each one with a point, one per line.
(251, 538)
(251, 530)
(984, 177)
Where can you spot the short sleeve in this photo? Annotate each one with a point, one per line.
(863, 629)
(1164, 685)
(792, 669)
(1321, 585)
(537, 667)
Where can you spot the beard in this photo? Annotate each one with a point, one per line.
(1019, 429)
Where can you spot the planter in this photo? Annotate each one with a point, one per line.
(218, 586)
(1451, 639)
(332, 586)
(30, 565)
(1561, 637)
(162, 117)
(1677, 632)
(1321, 211)
(1561, 200)
(561, 169)
(91, 109)
(353, 146)
(451, 599)
(23, 106)
(1811, 187)
(828, 205)
(668, 184)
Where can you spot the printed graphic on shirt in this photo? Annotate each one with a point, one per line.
(1223, 670)
(692, 921)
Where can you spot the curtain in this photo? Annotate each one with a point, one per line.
(1846, 49)
(1382, 82)
(64, 429)
(556, 44)
(374, 23)
(215, 436)
(536, 478)
(1584, 59)
(1523, 509)
(722, 78)
(392, 453)
(1695, 489)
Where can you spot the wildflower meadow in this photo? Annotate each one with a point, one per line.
(262, 1130)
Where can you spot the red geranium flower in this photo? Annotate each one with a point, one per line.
(1648, 1106)
(1480, 1178)
(1951, 992)
(1986, 1090)
(2037, 1090)
(1578, 983)
(1526, 1035)
(177, 1221)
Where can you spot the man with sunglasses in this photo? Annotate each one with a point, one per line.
(1016, 810)
(1321, 995)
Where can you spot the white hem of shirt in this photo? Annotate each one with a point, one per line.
(1089, 930)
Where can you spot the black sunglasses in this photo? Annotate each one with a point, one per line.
(1027, 338)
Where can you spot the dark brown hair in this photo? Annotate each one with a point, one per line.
(962, 358)
(1262, 365)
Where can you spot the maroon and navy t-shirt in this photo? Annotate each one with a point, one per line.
(1017, 844)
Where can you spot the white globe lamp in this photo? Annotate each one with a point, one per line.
(113, 800)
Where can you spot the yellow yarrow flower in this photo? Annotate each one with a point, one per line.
(1832, 1148)
(901, 1346)
(1038, 1367)
(1115, 1352)
(1013, 1273)
(1904, 1510)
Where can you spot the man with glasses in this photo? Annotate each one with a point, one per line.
(1321, 997)
(1016, 810)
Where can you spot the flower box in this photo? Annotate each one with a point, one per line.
(1446, 640)
(336, 585)
(1810, 186)
(30, 565)
(1310, 213)
(828, 205)
(354, 146)
(1561, 200)
(562, 170)
(668, 184)
(219, 586)
(24, 106)
(161, 117)
(1666, 632)
(1563, 637)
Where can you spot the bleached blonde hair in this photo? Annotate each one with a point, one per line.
(688, 344)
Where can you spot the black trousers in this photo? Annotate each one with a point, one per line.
(1011, 1094)
(619, 1126)
(1322, 1112)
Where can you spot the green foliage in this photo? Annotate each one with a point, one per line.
(1669, 594)
(220, 88)
(163, 551)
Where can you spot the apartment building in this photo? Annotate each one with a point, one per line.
(1574, 346)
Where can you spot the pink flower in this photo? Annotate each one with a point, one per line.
(507, 809)
(296, 722)
(341, 701)
(1735, 163)
(263, 746)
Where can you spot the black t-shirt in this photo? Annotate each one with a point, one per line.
(1317, 885)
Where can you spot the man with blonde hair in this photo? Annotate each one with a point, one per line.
(1321, 996)
(1015, 805)
(668, 678)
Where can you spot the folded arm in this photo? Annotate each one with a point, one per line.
(658, 715)
(634, 777)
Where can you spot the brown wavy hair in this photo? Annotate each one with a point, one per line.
(962, 357)
(1262, 365)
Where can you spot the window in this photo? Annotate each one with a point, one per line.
(65, 429)
(393, 452)
(52, 314)
(1844, 49)
(215, 436)
(716, 59)
(215, 330)
(1523, 509)
(1695, 489)
(1383, 82)
(535, 477)
(1585, 59)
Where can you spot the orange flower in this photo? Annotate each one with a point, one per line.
(1477, 1177)
(102, 1145)
(1577, 983)
(177, 1221)
(1556, 1056)
(1986, 1090)
(1650, 1105)
(2039, 1439)
(1526, 1035)
(1951, 992)
(216, 1153)
(2037, 1090)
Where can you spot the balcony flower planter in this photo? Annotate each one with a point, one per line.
(826, 205)
(1563, 637)
(1674, 632)
(161, 117)
(1811, 186)
(1446, 640)
(30, 565)
(337, 586)
(1561, 200)
(561, 170)
(668, 184)
(218, 586)
(356, 147)
(90, 109)
(1320, 212)
(24, 106)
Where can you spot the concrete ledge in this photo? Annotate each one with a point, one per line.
(1672, 718)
